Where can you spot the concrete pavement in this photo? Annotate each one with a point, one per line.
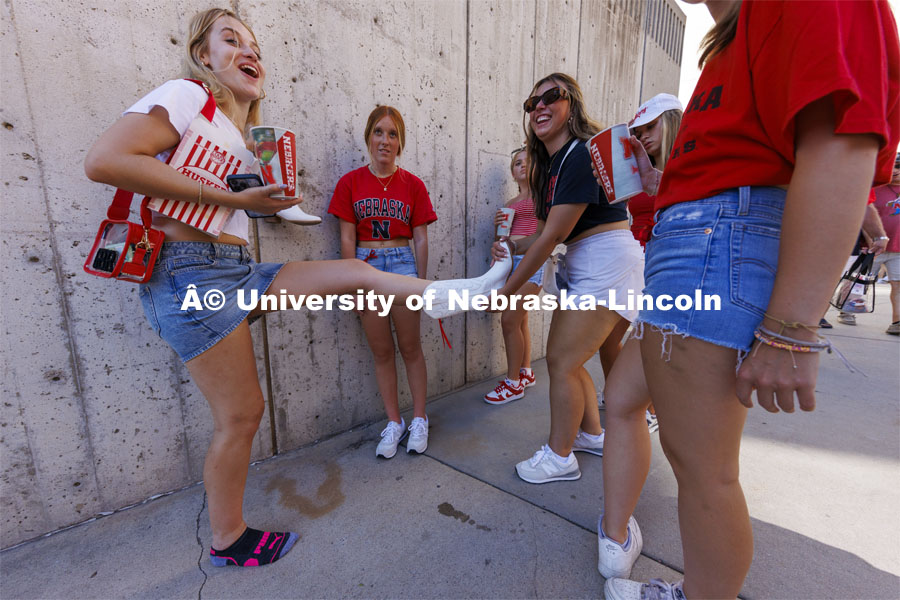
(823, 490)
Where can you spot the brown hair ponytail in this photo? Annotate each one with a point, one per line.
(721, 34)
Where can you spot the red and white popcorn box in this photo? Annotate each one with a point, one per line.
(203, 159)
(615, 163)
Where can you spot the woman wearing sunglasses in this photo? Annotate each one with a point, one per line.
(381, 208)
(760, 184)
(514, 321)
(601, 256)
(215, 345)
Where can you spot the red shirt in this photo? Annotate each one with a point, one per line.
(887, 202)
(641, 209)
(378, 214)
(738, 128)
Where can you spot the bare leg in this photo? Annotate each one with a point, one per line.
(703, 420)
(226, 375)
(516, 336)
(381, 342)
(610, 349)
(895, 301)
(343, 277)
(626, 455)
(406, 322)
(575, 335)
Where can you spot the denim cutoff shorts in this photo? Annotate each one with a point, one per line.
(725, 245)
(223, 267)
(537, 279)
(390, 260)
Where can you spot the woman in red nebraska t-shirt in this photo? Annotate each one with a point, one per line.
(381, 208)
(796, 108)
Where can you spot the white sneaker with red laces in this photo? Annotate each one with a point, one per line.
(507, 391)
(526, 377)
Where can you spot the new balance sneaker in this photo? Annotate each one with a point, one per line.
(439, 291)
(526, 377)
(585, 442)
(418, 435)
(615, 559)
(545, 466)
(893, 328)
(657, 589)
(507, 391)
(846, 318)
(390, 438)
(652, 422)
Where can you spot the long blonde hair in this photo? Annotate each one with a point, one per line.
(197, 44)
(720, 35)
(580, 126)
(670, 121)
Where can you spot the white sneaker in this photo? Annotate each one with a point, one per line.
(615, 559)
(418, 435)
(592, 444)
(544, 467)
(506, 391)
(657, 589)
(846, 318)
(439, 291)
(652, 422)
(390, 438)
(296, 215)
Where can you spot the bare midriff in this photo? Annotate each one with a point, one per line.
(392, 243)
(176, 231)
(603, 227)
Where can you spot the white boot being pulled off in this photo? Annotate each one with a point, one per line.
(549, 280)
(439, 291)
(296, 215)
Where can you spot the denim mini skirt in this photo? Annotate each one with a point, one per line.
(537, 279)
(725, 246)
(217, 271)
(390, 260)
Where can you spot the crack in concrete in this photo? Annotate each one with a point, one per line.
(200, 543)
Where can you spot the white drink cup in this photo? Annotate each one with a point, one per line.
(615, 163)
(508, 214)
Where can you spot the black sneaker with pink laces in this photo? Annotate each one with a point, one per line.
(254, 548)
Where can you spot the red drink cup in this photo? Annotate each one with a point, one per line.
(275, 148)
(615, 163)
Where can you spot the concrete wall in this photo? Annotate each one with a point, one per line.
(97, 412)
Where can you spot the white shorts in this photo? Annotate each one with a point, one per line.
(612, 260)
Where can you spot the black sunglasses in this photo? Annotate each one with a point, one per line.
(548, 98)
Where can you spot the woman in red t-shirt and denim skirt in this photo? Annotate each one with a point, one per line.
(516, 336)
(795, 110)
(381, 208)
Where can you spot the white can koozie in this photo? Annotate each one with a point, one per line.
(615, 163)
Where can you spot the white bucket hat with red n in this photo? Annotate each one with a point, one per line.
(652, 108)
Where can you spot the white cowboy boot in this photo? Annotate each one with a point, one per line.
(296, 215)
(439, 291)
(548, 282)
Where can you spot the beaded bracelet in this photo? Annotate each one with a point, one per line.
(782, 342)
(774, 343)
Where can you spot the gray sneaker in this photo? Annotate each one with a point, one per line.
(657, 589)
(543, 467)
(418, 435)
(390, 438)
(583, 444)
